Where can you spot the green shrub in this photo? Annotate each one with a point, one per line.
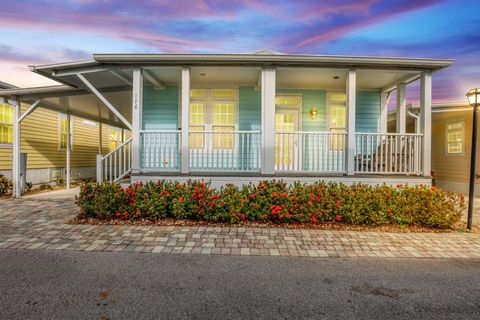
(28, 186)
(5, 185)
(273, 201)
(59, 181)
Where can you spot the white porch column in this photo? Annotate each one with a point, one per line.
(68, 151)
(137, 103)
(384, 98)
(268, 120)
(99, 168)
(184, 165)
(17, 192)
(351, 92)
(401, 108)
(100, 135)
(426, 120)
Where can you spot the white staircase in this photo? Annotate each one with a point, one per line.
(115, 165)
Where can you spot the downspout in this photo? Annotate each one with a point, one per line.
(417, 120)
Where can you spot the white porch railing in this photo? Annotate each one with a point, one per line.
(310, 152)
(225, 151)
(160, 150)
(116, 164)
(241, 151)
(388, 153)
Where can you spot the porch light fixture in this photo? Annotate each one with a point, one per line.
(473, 97)
(313, 113)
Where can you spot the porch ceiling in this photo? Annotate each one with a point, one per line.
(88, 106)
(218, 76)
(166, 75)
(78, 102)
(100, 79)
(325, 78)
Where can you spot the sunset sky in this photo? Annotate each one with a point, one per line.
(47, 31)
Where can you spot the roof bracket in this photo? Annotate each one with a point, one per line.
(157, 84)
(407, 79)
(104, 100)
(120, 75)
(29, 110)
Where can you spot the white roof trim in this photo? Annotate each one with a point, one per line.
(253, 58)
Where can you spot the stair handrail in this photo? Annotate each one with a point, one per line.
(101, 164)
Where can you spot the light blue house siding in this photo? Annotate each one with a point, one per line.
(249, 108)
(367, 111)
(367, 120)
(249, 118)
(160, 108)
(160, 111)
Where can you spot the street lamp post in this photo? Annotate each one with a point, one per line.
(474, 99)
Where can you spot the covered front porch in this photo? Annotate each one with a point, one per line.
(270, 122)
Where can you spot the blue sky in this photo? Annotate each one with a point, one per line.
(45, 31)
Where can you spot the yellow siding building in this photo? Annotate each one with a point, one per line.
(43, 138)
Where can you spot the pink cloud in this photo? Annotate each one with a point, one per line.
(343, 19)
(126, 27)
(321, 10)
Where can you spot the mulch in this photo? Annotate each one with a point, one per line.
(337, 226)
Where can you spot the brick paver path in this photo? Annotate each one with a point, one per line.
(39, 223)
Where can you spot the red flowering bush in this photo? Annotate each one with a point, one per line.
(193, 200)
(273, 201)
(103, 201)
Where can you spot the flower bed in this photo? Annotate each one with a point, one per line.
(273, 202)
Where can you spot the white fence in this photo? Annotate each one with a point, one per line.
(160, 150)
(116, 164)
(225, 151)
(241, 151)
(305, 151)
(388, 153)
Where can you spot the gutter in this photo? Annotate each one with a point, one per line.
(268, 59)
(38, 70)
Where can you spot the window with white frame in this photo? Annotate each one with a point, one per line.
(115, 138)
(455, 136)
(63, 132)
(213, 110)
(6, 123)
(337, 119)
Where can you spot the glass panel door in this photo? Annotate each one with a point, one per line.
(286, 141)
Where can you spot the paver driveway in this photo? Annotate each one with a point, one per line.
(41, 223)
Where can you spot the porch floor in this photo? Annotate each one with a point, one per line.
(219, 180)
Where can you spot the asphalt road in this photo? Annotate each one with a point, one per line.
(40, 284)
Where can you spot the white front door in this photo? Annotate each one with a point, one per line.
(287, 153)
